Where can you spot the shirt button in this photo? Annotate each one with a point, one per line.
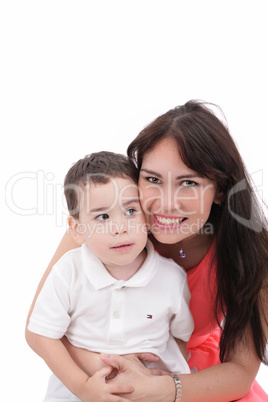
(120, 289)
(116, 314)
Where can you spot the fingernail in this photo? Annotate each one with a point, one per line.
(104, 355)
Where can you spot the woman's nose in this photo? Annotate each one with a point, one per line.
(170, 201)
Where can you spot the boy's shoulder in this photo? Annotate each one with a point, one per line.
(69, 261)
(166, 265)
(71, 255)
(169, 264)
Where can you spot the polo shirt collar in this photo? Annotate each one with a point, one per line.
(100, 278)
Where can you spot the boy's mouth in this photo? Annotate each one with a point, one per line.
(122, 247)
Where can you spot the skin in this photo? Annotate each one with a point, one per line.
(233, 378)
(112, 225)
(169, 190)
(115, 232)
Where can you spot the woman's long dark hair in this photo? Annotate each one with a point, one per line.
(240, 226)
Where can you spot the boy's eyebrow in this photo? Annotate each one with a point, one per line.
(126, 203)
(101, 209)
(131, 201)
(186, 176)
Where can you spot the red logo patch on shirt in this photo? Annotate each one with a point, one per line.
(149, 316)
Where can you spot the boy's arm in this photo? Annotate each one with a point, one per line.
(92, 362)
(67, 243)
(88, 361)
(183, 347)
(59, 361)
(76, 380)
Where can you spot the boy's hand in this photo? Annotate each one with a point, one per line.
(148, 357)
(140, 357)
(97, 388)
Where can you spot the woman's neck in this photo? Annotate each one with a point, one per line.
(195, 248)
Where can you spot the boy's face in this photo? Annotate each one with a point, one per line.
(111, 221)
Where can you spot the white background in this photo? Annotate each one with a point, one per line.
(81, 76)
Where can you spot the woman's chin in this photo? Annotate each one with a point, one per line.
(167, 237)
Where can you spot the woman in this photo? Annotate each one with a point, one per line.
(202, 213)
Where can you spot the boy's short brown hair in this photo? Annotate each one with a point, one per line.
(96, 168)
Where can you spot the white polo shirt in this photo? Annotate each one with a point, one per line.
(81, 300)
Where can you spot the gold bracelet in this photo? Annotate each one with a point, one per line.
(178, 387)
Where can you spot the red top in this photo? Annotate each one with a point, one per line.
(203, 345)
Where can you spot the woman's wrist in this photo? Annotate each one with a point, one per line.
(164, 388)
(178, 387)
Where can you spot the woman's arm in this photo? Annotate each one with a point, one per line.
(67, 243)
(228, 381)
(225, 382)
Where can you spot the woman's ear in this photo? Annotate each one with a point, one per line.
(219, 198)
(74, 229)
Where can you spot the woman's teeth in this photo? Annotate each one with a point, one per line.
(169, 221)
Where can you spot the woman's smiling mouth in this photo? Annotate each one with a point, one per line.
(167, 221)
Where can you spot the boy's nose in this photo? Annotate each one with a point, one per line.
(119, 228)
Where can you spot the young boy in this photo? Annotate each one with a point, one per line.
(114, 294)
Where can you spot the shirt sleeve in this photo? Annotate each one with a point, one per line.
(182, 323)
(50, 316)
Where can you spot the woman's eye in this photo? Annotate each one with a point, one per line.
(130, 212)
(153, 180)
(102, 217)
(189, 183)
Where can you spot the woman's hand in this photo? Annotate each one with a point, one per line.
(147, 387)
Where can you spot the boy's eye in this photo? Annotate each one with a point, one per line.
(189, 183)
(154, 180)
(130, 212)
(102, 217)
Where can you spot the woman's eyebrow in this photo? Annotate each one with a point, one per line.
(151, 172)
(185, 176)
(189, 176)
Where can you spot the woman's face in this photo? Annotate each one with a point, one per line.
(176, 200)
